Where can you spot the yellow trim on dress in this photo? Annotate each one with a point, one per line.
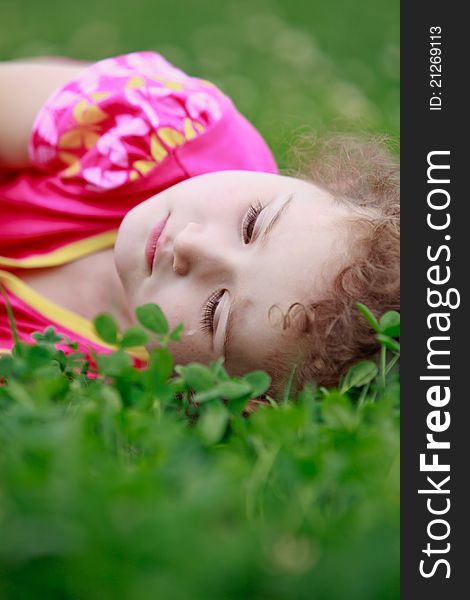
(63, 254)
(72, 321)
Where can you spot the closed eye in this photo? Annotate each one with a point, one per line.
(208, 312)
(249, 221)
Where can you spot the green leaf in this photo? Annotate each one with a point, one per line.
(38, 356)
(7, 365)
(111, 398)
(272, 402)
(237, 405)
(217, 368)
(198, 377)
(390, 323)
(306, 397)
(48, 336)
(233, 390)
(75, 360)
(106, 327)
(161, 363)
(20, 394)
(228, 390)
(134, 336)
(259, 381)
(209, 396)
(213, 423)
(115, 363)
(163, 391)
(388, 342)
(68, 342)
(337, 411)
(367, 314)
(175, 335)
(359, 374)
(152, 318)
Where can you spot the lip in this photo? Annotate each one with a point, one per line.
(152, 246)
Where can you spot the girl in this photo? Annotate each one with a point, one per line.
(134, 183)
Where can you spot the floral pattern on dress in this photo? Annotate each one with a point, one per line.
(119, 118)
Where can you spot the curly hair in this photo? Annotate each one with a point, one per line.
(361, 172)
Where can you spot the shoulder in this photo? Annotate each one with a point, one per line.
(119, 119)
(124, 114)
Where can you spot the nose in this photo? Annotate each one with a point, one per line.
(196, 250)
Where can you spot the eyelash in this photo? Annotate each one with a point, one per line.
(207, 318)
(249, 221)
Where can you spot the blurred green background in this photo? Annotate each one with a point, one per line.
(288, 64)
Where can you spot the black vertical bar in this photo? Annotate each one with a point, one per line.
(435, 119)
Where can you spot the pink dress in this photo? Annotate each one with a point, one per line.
(121, 131)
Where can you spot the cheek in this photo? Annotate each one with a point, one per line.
(191, 349)
(176, 311)
(178, 303)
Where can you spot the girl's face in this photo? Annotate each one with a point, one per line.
(232, 244)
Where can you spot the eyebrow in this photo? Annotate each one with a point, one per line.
(234, 311)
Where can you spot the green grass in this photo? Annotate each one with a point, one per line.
(153, 483)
